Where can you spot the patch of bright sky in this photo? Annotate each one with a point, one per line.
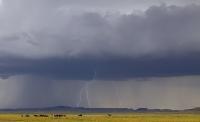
(0, 2)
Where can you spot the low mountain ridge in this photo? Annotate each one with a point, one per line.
(69, 109)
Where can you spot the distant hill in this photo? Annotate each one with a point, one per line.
(68, 109)
(62, 109)
(197, 109)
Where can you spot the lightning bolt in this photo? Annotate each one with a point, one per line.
(85, 89)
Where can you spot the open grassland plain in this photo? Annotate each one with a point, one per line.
(134, 117)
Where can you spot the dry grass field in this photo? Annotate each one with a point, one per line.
(156, 117)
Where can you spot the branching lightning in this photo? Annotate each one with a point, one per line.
(85, 89)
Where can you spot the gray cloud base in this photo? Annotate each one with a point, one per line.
(106, 69)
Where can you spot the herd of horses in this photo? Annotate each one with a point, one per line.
(52, 115)
(44, 115)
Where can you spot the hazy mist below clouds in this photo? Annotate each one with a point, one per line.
(166, 92)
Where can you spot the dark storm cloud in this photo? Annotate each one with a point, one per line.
(48, 40)
(106, 69)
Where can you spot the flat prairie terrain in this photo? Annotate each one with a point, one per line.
(142, 117)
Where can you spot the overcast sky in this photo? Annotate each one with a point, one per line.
(126, 6)
(73, 51)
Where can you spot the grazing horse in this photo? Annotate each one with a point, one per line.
(80, 115)
(26, 115)
(59, 115)
(36, 115)
(109, 115)
(43, 115)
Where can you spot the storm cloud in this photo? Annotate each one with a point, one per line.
(44, 39)
(78, 50)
